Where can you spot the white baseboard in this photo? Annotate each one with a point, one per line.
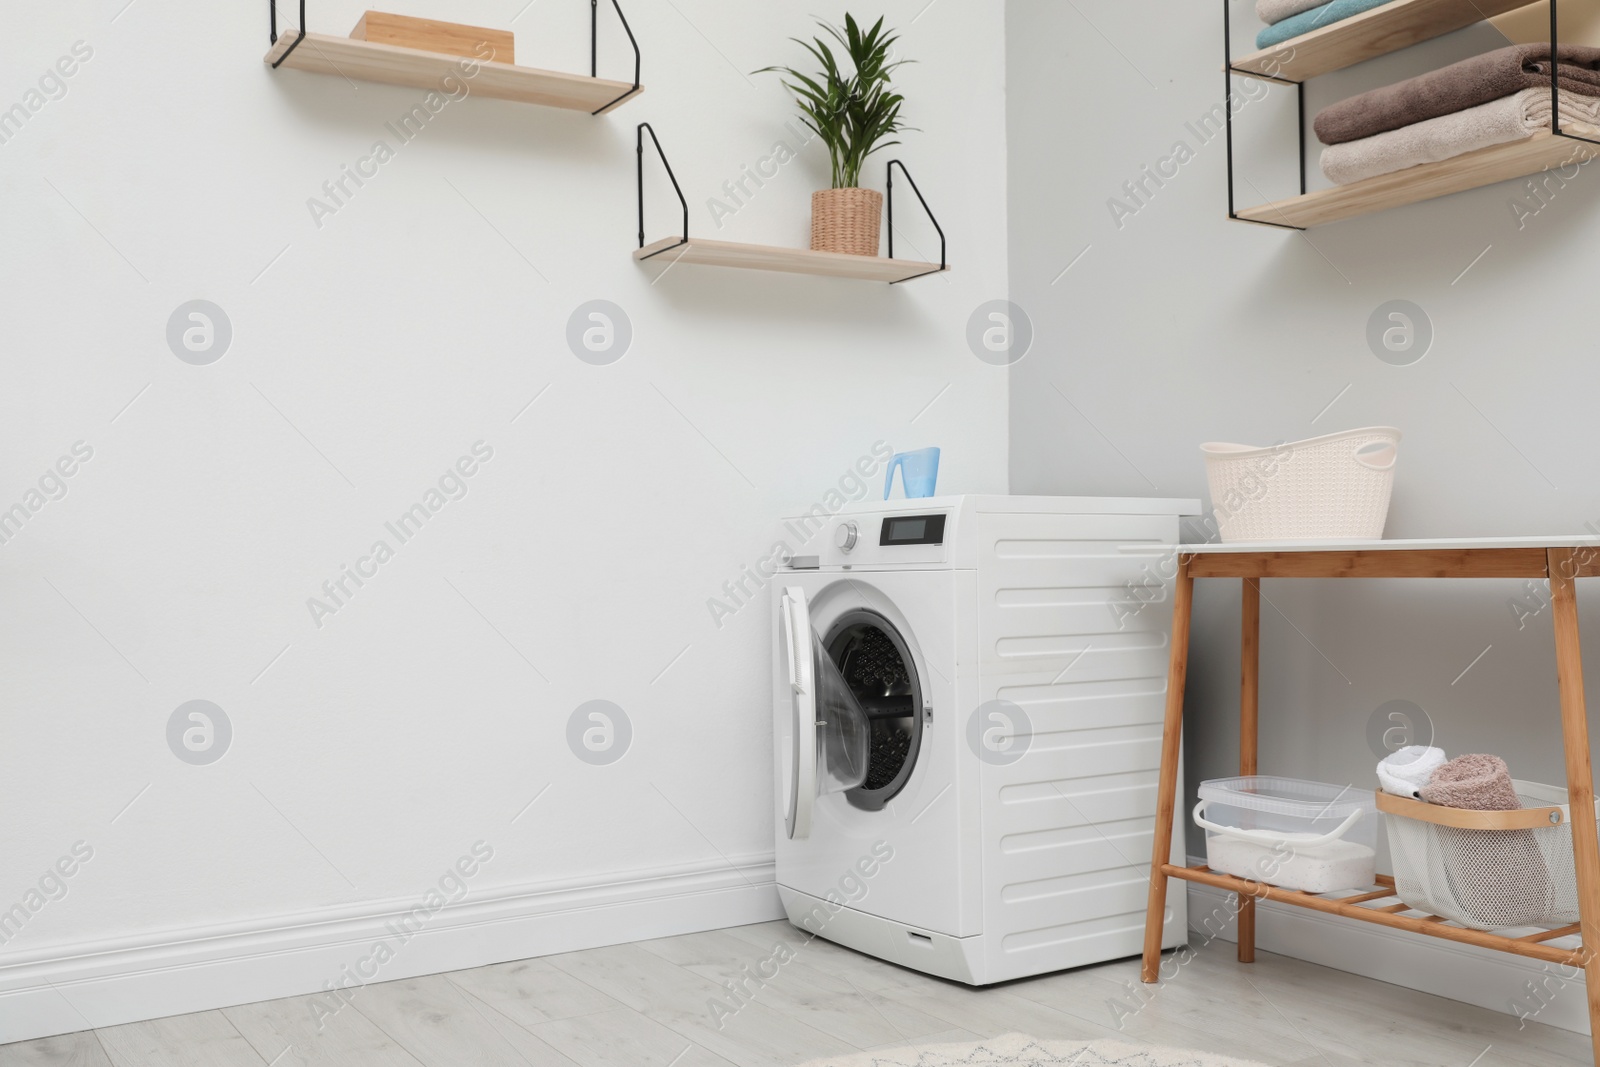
(82, 986)
(78, 987)
(1481, 977)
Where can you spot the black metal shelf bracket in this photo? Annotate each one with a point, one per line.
(643, 126)
(594, 51)
(1227, 107)
(1555, 81)
(943, 263)
(273, 7)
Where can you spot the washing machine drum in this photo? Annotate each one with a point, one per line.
(855, 726)
(875, 665)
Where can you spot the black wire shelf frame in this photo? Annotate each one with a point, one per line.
(643, 126)
(943, 261)
(1229, 70)
(1227, 106)
(676, 188)
(594, 44)
(273, 6)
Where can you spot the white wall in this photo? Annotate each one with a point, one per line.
(368, 354)
(1179, 326)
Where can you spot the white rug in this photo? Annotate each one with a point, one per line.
(1017, 1050)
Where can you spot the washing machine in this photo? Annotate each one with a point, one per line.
(968, 695)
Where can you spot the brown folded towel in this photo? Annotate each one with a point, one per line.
(1480, 783)
(1457, 87)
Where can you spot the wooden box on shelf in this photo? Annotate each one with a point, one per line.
(431, 35)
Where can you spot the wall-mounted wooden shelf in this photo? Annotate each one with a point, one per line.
(1396, 25)
(1486, 166)
(365, 61)
(705, 253)
(375, 61)
(684, 249)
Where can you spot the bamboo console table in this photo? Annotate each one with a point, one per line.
(1560, 560)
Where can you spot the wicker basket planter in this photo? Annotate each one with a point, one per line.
(846, 220)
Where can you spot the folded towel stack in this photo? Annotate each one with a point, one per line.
(1471, 82)
(1495, 98)
(1435, 140)
(1273, 12)
(1296, 17)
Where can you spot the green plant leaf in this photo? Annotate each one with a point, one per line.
(854, 114)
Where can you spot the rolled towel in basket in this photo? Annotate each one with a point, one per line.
(1404, 772)
(1475, 782)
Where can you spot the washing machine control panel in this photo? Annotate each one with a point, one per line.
(912, 530)
(868, 539)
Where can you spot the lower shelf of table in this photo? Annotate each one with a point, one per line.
(1367, 907)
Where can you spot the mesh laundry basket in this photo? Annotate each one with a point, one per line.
(1488, 878)
(1322, 489)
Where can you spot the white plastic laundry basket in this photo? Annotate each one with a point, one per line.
(1489, 879)
(1333, 488)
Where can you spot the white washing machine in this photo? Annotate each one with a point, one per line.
(982, 805)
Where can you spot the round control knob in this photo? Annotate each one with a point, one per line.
(845, 536)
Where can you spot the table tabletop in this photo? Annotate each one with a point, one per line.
(1447, 544)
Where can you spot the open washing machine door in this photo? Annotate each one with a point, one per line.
(829, 738)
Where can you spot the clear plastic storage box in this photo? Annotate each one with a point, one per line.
(1286, 832)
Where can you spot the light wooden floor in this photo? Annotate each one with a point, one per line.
(646, 1005)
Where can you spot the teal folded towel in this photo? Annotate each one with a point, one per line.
(1314, 19)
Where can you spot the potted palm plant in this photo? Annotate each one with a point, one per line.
(855, 112)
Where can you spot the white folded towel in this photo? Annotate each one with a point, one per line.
(1274, 11)
(1502, 121)
(1405, 772)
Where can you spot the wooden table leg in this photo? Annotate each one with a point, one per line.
(1167, 792)
(1580, 777)
(1249, 717)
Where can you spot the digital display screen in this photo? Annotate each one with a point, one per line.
(913, 530)
(907, 529)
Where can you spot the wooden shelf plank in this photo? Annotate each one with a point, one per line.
(1380, 916)
(1551, 935)
(1376, 894)
(1486, 166)
(368, 61)
(1378, 32)
(705, 253)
